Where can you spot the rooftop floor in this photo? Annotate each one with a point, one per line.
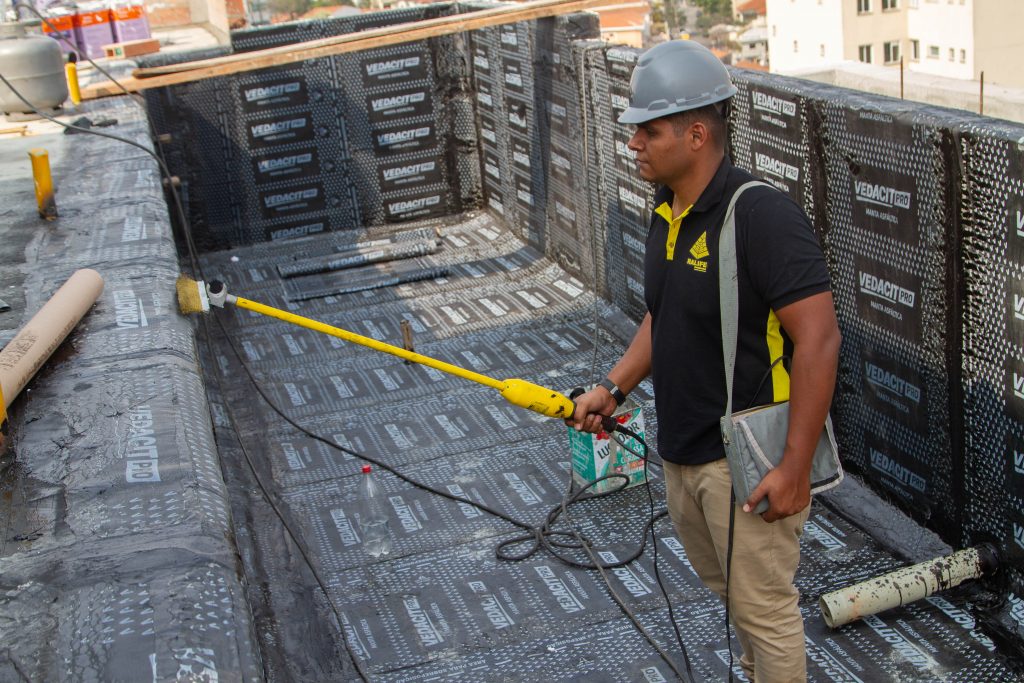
(80, 543)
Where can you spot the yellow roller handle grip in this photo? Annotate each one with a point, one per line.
(537, 398)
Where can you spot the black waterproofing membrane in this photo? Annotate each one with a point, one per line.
(165, 521)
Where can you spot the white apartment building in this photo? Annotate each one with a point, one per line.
(964, 38)
(807, 34)
(957, 39)
(940, 37)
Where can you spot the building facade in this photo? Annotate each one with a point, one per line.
(949, 38)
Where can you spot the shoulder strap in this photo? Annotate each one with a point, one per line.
(728, 290)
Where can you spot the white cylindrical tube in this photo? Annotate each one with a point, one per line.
(40, 337)
(905, 585)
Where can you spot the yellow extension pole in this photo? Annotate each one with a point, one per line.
(44, 183)
(516, 391)
(368, 342)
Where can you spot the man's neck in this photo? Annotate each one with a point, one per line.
(687, 189)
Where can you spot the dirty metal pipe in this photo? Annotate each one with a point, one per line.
(40, 337)
(906, 585)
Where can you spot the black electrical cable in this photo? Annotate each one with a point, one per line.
(542, 536)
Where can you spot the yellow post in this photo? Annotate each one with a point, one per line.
(71, 72)
(44, 183)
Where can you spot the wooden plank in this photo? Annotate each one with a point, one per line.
(506, 13)
(354, 42)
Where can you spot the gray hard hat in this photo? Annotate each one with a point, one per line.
(675, 76)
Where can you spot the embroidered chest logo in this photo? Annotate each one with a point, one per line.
(698, 253)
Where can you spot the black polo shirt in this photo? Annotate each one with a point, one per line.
(779, 262)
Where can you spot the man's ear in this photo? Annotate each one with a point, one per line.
(698, 135)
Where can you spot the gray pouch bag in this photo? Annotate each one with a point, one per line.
(755, 439)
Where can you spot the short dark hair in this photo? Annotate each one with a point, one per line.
(711, 115)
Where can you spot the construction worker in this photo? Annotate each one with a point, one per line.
(678, 94)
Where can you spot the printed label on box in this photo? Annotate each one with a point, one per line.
(598, 455)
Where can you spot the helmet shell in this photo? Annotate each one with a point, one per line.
(675, 76)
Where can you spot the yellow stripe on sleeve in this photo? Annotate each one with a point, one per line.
(780, 377)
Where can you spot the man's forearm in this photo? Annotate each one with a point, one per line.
(812, 382)
(811, 324)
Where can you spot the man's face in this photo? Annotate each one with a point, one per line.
(661, 153)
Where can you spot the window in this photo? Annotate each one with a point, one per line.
(796, 46)
(864, 53)
(890, 4)
(915, 49)
(933, 52)
(963, 56)
(952, 54)
(775, 30)
(863, 6)
(892, 51)
(821, 50)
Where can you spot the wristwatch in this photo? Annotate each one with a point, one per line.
(613, 390)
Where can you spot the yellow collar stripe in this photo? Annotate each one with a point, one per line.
(665, 211)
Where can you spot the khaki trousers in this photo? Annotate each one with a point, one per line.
(762, 597)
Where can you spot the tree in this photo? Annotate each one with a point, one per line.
(714, 6)
(292, 8)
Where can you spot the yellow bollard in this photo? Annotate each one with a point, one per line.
(44, 183)
(71, 72)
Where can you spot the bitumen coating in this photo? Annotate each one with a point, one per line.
(244, 561)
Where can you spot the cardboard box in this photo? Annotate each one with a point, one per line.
(63, 28)
(93, 30)
(130, 23)
(597, 455)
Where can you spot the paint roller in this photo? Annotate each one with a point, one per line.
(197, 297)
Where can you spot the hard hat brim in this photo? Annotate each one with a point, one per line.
(635, 115)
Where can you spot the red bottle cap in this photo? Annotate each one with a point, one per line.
(366, 469)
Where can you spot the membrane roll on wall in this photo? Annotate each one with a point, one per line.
(119, 555)
(624, 199)
(992, 214)
(771, 124)
(887, 174)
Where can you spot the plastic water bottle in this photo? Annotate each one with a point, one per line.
(373, 516)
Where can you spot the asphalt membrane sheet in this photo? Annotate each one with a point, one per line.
(441, 606)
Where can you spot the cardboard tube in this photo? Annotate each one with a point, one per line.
(37, 340)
